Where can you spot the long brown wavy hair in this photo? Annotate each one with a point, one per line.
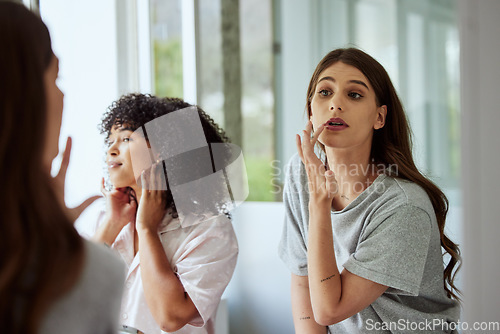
(41, 254)
(392, 144)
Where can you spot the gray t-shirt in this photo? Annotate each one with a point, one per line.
(92, 306)
(389, 235)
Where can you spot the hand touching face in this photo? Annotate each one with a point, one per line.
(345, 103)
(152, 205)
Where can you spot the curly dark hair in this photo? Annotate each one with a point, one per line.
(135, 110)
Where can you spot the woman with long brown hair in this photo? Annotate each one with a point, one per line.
(364, 229)
(51, 281)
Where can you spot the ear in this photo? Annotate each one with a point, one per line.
(381, 115)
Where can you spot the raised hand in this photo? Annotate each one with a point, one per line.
(152, 204)
(59, 182)
(121, 208)
(322, 183)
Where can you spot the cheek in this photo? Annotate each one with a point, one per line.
(139, 157)
(54, 105)
(318, 113)
(55, 102)
(124, 176)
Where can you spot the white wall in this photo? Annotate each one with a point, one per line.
(480, 78)
(259, 292)
(84, 38)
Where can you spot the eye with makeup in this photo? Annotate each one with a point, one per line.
(124, 139)
(325, 92)
(355, 95)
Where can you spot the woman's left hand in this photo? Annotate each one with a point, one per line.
(322, 183)
(59, 182)
(151, 208)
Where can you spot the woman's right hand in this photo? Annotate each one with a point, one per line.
(321, 182)
(121, 208)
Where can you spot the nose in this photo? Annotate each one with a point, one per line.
(336, 103)
(113, 149)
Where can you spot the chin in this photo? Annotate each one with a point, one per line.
(332, 143)
(118, 182)
(328, 140)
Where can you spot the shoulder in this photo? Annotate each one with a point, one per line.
(216, 231)
(399, 203)
(295, 190)
(295, 175)
(404, 194)
(218, 225)
(294, 165)
(103, 275)
(92, 305)
(101, 263)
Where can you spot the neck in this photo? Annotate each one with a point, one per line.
(138, 192)
(353, 170)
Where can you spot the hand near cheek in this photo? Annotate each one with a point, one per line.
(121, 206)
(322, 183)
(152, 204)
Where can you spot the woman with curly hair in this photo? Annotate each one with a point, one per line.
(51, 280)
(364, 229)
(178, 263)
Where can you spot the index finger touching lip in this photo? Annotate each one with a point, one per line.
(318, 131)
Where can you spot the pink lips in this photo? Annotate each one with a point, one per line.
(113, 164)
(336, 124)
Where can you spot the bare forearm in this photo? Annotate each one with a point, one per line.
(303, 317)
(324, 278)
(107, 232)
(170, 305)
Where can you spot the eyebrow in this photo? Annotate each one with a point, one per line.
(359, 82)
(119, 130)
(124, 128)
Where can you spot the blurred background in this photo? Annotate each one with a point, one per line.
(247, 63)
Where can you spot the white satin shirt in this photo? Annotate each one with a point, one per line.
(201, 252)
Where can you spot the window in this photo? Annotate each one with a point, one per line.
(166, 40)
(256, 74)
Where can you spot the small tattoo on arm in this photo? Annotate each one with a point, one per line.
(305, 318)
(329, 277)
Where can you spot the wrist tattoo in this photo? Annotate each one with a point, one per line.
(329, 277)
(305, 318)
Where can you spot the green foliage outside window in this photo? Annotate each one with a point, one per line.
(168, 67)
(258, 137)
